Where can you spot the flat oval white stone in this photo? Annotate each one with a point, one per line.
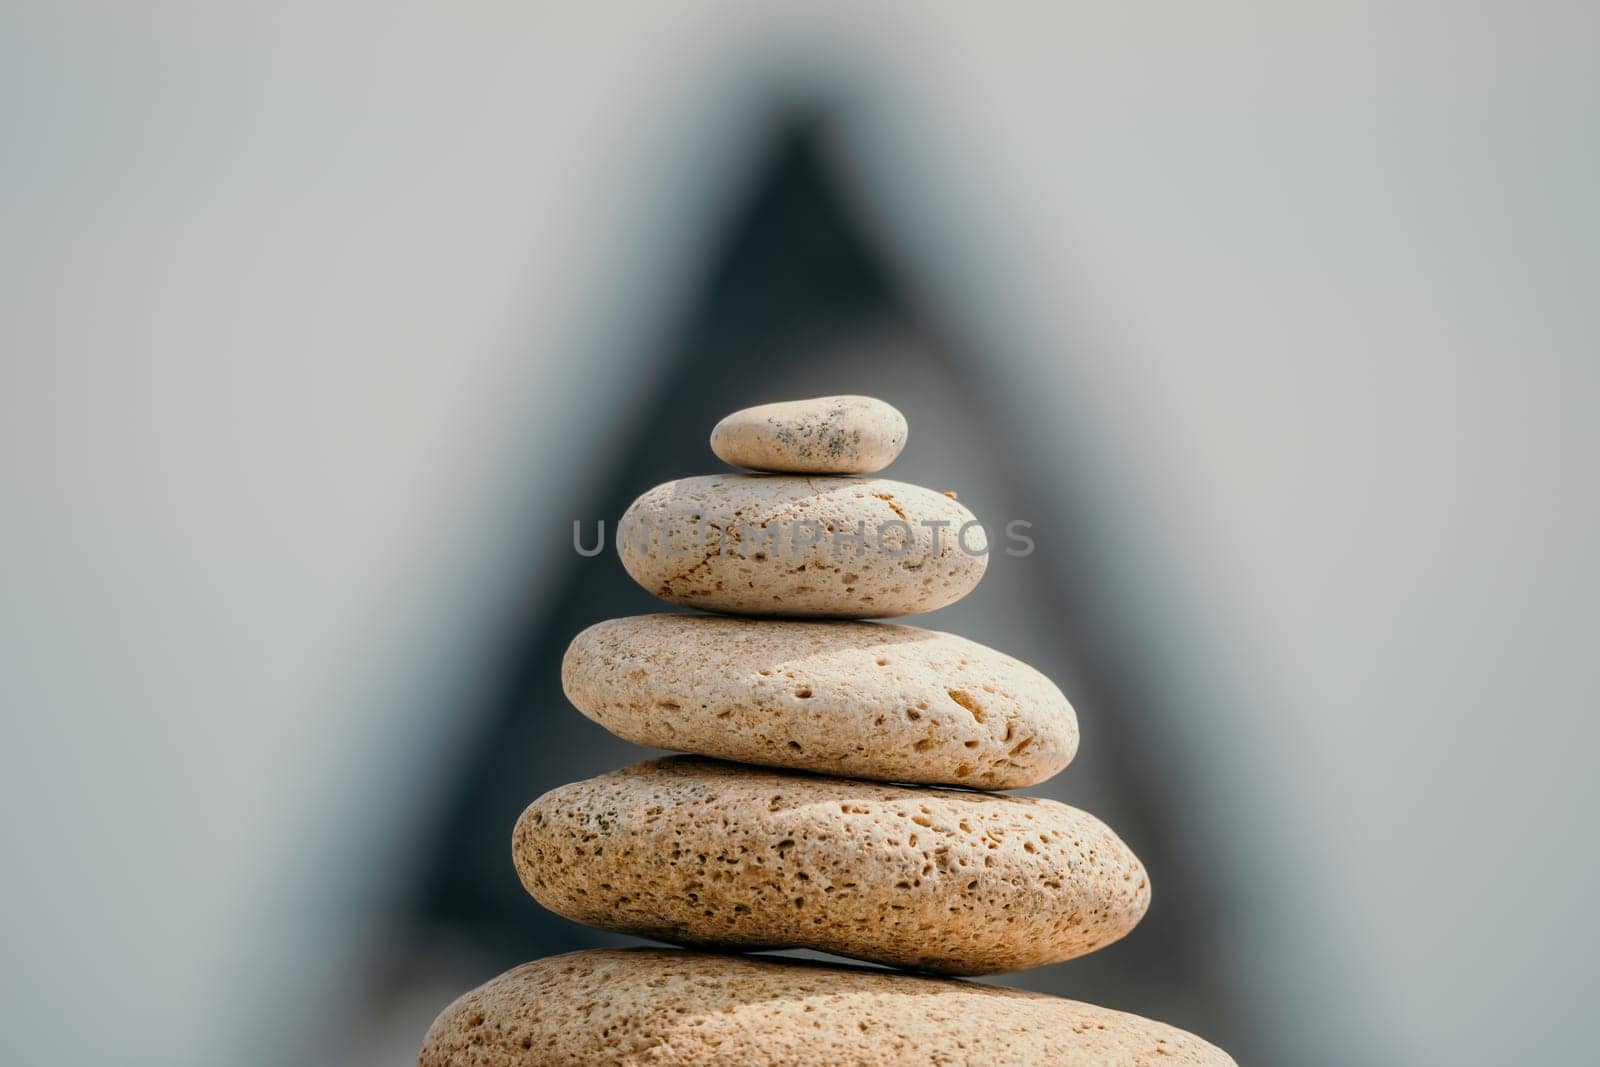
(827, 435)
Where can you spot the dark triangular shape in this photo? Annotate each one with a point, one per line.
(797, 300)
(792, 277)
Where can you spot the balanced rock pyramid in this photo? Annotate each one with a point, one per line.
(789, 825)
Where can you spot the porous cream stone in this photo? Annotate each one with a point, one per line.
(720, 855)
(778, 545)
(827, 435)
(669, 1008)
(857, 699)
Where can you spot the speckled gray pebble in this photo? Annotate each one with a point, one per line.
(826, 435)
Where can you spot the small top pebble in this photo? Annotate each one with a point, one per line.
(826, 435)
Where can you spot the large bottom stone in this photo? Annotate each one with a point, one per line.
(712, 854)
(669, 1008)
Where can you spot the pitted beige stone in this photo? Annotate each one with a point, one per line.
(776, 545)
(857, 699)
(715, 854)
(669, 1008)
(827, 435)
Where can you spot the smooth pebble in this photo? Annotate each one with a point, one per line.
(825, 435)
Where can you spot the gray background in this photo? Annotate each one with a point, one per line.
(320, 324)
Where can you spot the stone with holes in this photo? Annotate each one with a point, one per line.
(857, 699)
(717, 854)
(688, 1009)
(825, 435)
(774, 545)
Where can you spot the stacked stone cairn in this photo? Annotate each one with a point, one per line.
(790, 825)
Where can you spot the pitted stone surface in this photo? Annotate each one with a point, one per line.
(668, 1008)
(856, 699)
(720, 855)
(777, 545)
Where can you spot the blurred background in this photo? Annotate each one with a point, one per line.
(320, 325)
